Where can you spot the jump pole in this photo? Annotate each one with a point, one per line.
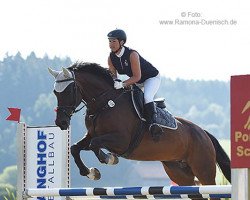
(116, 192)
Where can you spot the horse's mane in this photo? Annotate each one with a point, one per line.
(93, 68)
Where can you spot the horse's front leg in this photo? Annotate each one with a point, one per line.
(106, 141)
(83, 144)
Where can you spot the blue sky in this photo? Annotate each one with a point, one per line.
(78, 29)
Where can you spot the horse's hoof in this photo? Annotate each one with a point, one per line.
(112, 159)
(94, 174)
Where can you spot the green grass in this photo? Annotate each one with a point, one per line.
(10, 195)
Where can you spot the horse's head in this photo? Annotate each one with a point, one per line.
(68, 96)
(81, 82)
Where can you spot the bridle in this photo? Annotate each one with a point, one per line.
(95, 100)
(74, 109)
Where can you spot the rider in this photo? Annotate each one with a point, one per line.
(128, 61)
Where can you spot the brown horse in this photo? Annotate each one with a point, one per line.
(113, 124)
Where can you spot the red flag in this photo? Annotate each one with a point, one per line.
(14, 114)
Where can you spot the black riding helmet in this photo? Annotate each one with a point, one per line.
(118, 34)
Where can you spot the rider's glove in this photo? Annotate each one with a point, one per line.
(118, 84)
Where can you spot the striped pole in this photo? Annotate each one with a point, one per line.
(134, 191)
(171, 196)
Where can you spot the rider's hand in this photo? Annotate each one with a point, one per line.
(118, 84)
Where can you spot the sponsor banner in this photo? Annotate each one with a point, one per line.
(240, 121)
(47, 163)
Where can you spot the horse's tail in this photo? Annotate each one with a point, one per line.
(221, 157)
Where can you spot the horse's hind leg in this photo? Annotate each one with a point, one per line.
(206, 174)
(203, 165)
(181, 173)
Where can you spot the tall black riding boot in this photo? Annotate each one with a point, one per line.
(151, 116)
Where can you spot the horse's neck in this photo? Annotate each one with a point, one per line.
(92, 89)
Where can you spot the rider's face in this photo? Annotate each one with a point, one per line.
(114, 44)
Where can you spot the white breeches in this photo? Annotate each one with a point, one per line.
(151, 87)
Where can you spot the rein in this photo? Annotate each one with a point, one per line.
(94, 100)
(105, 106)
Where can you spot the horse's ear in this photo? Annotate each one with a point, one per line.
(67, 73)
(53, 72)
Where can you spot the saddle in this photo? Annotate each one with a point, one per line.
(164, 118)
